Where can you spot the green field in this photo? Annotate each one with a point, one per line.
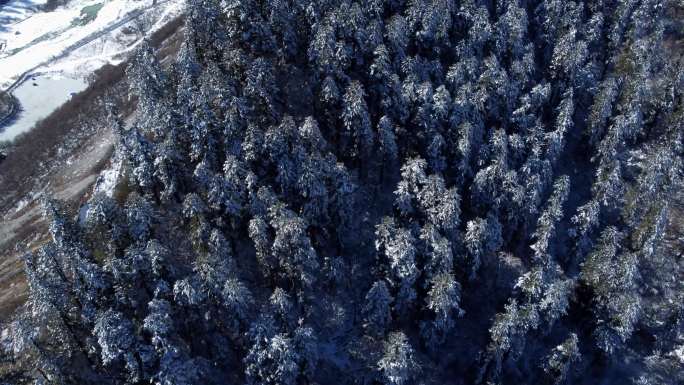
(88, 14)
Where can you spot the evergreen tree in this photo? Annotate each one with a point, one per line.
(373, 191)
(377, 309)
(561, 359)
(398, 364)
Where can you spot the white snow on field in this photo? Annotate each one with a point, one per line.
(35, 37)
(40, 96)
(106, 182)
(66, 45)
(679, 353)
(113, 47)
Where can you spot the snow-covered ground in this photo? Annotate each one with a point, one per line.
(32, 38)
(69, 43)
(40, 96)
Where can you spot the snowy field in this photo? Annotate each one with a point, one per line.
(68, 44)
(40, 96)
(31, 38)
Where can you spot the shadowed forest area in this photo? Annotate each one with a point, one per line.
(379, 192)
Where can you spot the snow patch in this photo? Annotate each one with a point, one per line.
(106, 182)
(83, 214)
(39, 96)
(679, 354)
(21, 205)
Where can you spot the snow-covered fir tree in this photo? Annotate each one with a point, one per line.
(380, 192)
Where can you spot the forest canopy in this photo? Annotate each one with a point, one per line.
(380, 192)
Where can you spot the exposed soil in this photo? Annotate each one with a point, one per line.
(24, 229)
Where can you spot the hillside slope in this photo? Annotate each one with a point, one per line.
(378, 192)
(62, 157)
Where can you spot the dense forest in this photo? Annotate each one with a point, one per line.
(379, 192)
